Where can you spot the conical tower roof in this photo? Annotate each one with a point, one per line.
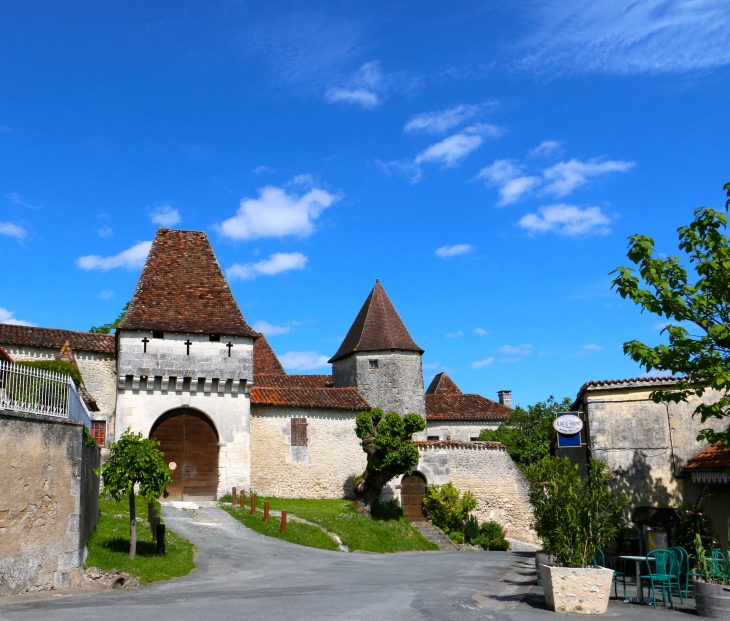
(377, 327)
(442, 384)
(182, 289)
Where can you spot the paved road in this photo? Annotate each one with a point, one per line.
(243, 575)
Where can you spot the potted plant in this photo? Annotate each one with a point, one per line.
(574, 516)
(712, 592)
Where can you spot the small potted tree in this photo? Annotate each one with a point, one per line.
(712, 591)
(574, 517)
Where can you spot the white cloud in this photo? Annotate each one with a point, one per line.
(480, 331)
(259, 170)
(303, 360)
(592, 347)
(567, 220)
(276, 263)
(521, 350)
(6, 316)
(276, 213)
(444, 120)
(402, 167)
(432, 365)
(364, 89)
(626, 36)
(452, 251)
(482, 363)
(15, 198)
(452, 150)
(546, 147)
(269, 329)
(454, 335)
(106, 294)
(131, 258)
(165, 215)
(567, 176)
(12, 230)
(509, 178)
(105, 231)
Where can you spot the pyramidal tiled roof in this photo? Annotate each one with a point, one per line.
(442, 384)
(182, 289)
(377, 327)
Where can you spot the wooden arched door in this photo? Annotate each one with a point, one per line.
(412, 493)
(190, 442)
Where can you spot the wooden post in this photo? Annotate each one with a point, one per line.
(243, 499)
(283, 521)
(253, 505)
(161, 539)
(152, 522)
(233, 496)
(150, 509)
(266, 512)
(155, 524)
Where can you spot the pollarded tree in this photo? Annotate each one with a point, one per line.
(387, 439)
(135, 461)
(700, 355)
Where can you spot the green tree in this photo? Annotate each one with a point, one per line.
(106, 328)
(449, 509)
(135, 461)
(387, 439)
(527, 434)
(697, 303)
(573, 516)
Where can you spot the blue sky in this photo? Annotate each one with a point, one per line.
(486, 161)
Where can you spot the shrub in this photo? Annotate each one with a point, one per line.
(573, 516)
(471, 529)
(57, 366)
(491, 537)
(449, 509)
(695, 521)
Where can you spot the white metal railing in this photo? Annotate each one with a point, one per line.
(27, 389)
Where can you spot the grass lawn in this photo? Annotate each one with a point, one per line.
(109, 545)
(386, 531)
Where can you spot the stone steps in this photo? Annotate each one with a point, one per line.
(435, 535)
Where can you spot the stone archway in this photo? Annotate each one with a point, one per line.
(412, 493)
(189, 441)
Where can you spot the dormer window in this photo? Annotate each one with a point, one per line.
(373, 364)
(214, 338)
(158, 334)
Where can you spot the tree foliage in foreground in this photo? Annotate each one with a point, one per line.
(387, 439)
(135, 461)
(449, 509)
(696, 302)
(106, 328)
(527, 434)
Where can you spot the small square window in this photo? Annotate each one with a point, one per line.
(436, 438)
(373, 364)
(158, 334)
(216, 338)
(474, 439)
(98, 431)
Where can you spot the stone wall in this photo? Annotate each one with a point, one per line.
(49, 502)
(322, 469)
(645, 444)
(488, 472)
(396, 385)
(463, 431)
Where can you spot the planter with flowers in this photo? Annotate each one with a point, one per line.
(574, 517)
(712, 589)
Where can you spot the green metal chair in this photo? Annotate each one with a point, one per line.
(600, 561)
(683, 567)
(663, 572)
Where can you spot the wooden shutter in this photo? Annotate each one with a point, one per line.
(299, 432)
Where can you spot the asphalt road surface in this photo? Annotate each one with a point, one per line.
(242, 575)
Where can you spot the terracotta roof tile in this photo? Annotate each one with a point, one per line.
(275, 380)
(427, 444)
(265, 360)
(55, 339)
(377, 327)
(5, 356)
(633, 382)
(329, 398)
(182, 289)
(464, 407)
(715, 457)
(442, 384)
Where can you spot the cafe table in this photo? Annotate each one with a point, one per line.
(639, 584)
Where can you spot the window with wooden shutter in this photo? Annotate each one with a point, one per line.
(299, 432)
(98, 431)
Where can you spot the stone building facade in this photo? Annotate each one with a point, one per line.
(185, 368)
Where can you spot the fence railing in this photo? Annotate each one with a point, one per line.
(38, 391)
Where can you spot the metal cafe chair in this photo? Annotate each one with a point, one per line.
(663, 574)
(600, 561)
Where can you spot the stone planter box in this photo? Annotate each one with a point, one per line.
(582, 590)
(712, 600)
(542, 559)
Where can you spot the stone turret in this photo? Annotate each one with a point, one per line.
(380, 358)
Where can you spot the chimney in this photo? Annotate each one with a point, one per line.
(505, 397)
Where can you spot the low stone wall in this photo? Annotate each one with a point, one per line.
(49, 502)
(324, 468)
(488, 472)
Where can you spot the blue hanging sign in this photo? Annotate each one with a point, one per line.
(568, 425)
